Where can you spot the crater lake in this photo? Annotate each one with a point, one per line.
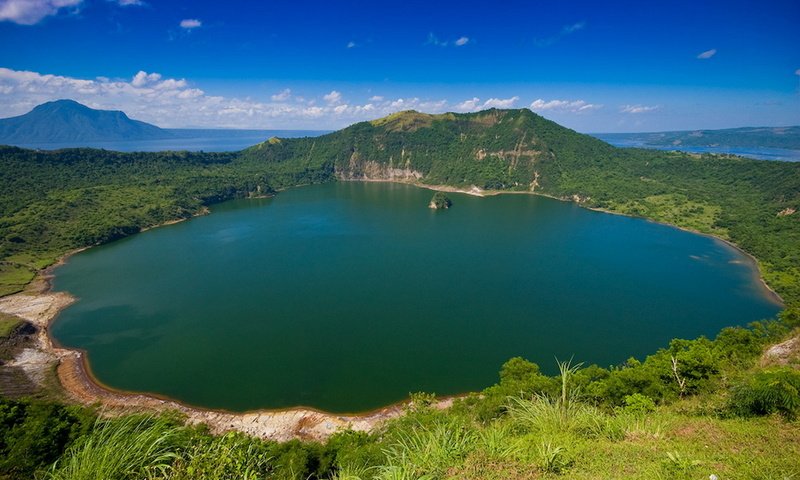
(348, 296)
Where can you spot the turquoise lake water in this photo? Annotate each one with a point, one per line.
(349, 296)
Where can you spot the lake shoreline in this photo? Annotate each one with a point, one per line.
(575, 199)
(39, 305)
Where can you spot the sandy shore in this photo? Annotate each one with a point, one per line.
(42, 306)
(39, 305)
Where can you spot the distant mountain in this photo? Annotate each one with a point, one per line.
(70, 121)
(745, 137)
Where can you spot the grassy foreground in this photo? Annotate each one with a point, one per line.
(54, 202)
(694, 409)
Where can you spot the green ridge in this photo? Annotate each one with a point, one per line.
(53, 202)
(691, 410)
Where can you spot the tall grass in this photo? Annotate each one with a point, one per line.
(498, 441)
(553, 414)
(426, 451)
(131, 447)
(233, 456)
(355, 472)
(552, 457)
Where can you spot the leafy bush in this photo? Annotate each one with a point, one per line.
(233, 456)
(768, 392)
(350, 454)
(552, 458)
(638, 404)
(34, 434)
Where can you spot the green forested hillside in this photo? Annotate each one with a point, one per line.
(693, 409)
(52, 202)
(746, 201)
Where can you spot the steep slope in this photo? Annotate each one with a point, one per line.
(70, 121)
(51, 202)
(493, 149)
(750, 202)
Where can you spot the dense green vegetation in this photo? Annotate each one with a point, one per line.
(52, 202)
(752, 137)
(8, 323)
(745, 201)
(440, 200)
(682, 413)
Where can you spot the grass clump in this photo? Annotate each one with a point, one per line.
(14, 277)
(233, 456)
(133, 447)
(8, 323)
(427, 451)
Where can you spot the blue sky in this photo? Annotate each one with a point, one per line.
(592, 66)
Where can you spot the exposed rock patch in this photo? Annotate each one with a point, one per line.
(784, 353)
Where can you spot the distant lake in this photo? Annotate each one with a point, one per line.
(348, 296)
(759, 153)
(195, 140)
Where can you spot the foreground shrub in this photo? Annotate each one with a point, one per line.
(768, 392)
(233, 456)
(133, 447)
(33, 435)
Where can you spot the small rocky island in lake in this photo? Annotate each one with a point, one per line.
(440, 201)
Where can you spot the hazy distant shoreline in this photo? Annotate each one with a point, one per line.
(191, 139)
(758, 153)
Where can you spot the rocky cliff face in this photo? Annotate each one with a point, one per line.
(359, 168)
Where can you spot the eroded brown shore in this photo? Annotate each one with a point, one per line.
(39, 306)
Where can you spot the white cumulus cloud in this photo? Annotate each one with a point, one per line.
(282, 96)
(468, 105)
(573, 106)
(434, 40)
(30, 12)
(175, 102)
(143, 78)
(500, 102)
(333, 98)
(707, 54)
(474, 104)
(191, 23)
(637, 108)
